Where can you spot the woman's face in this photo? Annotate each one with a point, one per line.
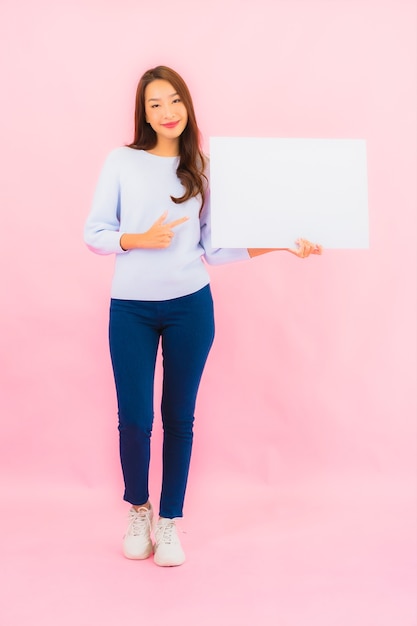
(164, 110)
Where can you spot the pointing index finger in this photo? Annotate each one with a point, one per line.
(177, 222)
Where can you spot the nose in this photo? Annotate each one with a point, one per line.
(168, 112)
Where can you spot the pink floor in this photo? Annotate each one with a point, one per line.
(318, 554)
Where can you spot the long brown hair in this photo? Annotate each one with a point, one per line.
(192, 162)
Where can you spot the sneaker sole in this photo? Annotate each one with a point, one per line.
(142, 557)
(168, 563)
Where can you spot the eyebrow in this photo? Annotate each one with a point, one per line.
(157, 99)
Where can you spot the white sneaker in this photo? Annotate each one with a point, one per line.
(168, 550)
(137, 543)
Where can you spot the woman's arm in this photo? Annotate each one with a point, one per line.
(303, 250)
(101, 230)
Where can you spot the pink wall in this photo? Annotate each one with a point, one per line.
(318, 355)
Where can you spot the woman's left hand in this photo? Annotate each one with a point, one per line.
(305, 248)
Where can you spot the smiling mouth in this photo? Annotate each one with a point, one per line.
(170, 124)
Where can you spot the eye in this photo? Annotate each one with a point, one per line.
(176, 100)
(153, 106)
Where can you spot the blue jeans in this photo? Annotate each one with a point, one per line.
(186, 328)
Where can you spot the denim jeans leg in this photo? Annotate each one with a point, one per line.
(133, 347)
(186, 341)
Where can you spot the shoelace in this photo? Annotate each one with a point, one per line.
(140, 523)
(166, 532)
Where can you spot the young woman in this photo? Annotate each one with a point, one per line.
(152, 210)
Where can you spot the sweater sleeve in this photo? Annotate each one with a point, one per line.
(216, 256)
(102, 229)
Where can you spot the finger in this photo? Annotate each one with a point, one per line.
(315, 248)
(305, 250)
(177, 222)
(301, 248)
(162, 218)
(301, 243)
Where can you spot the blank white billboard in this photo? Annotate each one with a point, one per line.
(268, 192)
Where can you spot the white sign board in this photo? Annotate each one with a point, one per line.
(268, 192)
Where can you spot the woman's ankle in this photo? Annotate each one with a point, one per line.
(147, 505)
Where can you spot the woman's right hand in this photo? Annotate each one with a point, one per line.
(158, 236)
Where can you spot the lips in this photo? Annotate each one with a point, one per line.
(170, 124)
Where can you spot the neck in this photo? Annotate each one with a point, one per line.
(166, 148)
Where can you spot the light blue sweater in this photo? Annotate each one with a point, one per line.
(133, 191)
